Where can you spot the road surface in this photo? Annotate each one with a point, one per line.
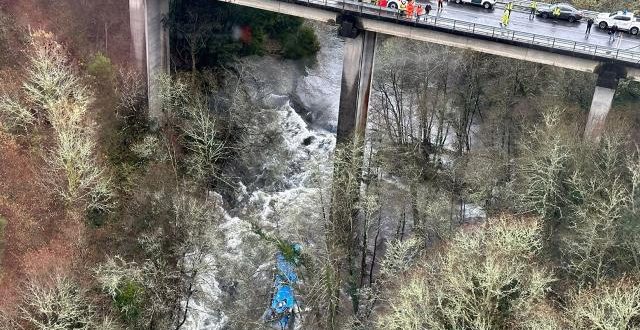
(520, 22)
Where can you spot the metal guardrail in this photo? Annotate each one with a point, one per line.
(486, 31)
(525, 5)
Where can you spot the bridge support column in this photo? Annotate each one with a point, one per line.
(608, 77)
(150, 45)
(355, 88)
(357, 72)
(138, 33)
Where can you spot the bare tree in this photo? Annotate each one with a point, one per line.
(543, 167)
(201, 135)
(53, 91)
(180, 254)
(58, 304)
(484, 278)
(15, 116)
(610, 305)
(190, 110)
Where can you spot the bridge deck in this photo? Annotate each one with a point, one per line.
(559, 44)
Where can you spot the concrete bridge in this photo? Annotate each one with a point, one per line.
(558, 45)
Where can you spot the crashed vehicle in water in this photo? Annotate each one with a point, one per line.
(284, 306)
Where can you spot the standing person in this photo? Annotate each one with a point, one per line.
(533, 7)
(618, 36)
(419, 12)
(504, 20)
(509, 8)
(612, 33)
(556, 13)
(440, 5)
(410, 8)
(427, 10)
(589, 25)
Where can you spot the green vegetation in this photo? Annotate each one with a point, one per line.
(494, 277)
(211, 33)
(628, 92)
(100, 68)
(301, 44)
(123, 135)
(128, 301)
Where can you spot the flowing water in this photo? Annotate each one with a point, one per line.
(304, 97)
(309, 136)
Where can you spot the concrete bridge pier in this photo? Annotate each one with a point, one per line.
(150, 45)
(355, 88)
(608, 77)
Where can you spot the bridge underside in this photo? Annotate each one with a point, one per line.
(151, 47)
(438, 37)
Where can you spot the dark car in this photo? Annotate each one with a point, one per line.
(567, 12)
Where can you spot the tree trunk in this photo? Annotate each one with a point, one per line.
(417, 223)
(193, 60)
(375, 250)
(106, 38)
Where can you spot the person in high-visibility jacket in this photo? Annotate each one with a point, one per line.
(509, 8)
(419, 12)
(403, 6)
(410, 8)
(533, 7)
(504, 21)
(556, 12)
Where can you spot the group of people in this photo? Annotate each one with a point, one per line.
(533, 9)
(412, 10)
(415, 10)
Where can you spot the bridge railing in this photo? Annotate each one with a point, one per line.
(493, 32)
(524, 5)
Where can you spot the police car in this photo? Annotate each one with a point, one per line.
(487, 4)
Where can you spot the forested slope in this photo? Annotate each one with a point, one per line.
(480, 204)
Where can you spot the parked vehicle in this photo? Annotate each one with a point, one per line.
(487, 4)
(567, 12)
(624, 21)
(397, 4)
